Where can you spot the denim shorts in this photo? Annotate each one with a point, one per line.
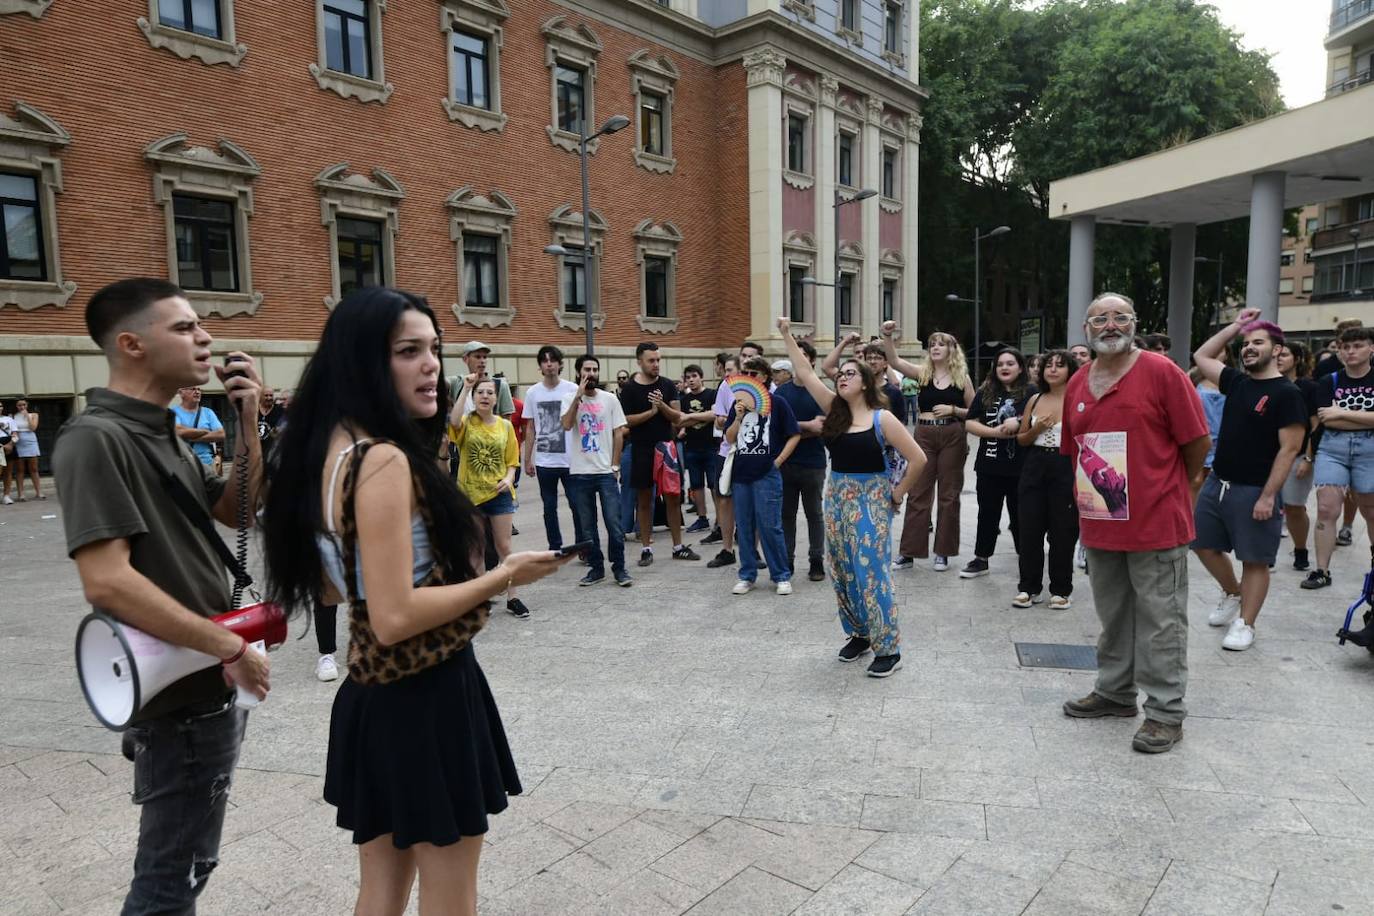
(502, 503)
(1224, 522)
(1345, 459)
(702, 467)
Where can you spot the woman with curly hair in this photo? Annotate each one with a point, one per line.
(1046, 489)
(860, 499)
(994, 417)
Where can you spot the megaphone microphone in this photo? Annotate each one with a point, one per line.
(121, 668)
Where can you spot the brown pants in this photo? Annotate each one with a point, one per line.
(946, 449)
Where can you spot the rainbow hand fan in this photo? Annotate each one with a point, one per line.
(744, 384)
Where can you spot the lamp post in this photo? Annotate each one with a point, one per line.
(1219, 260)
(840, 201)
(613, 124)
(1355, 291)
(978, 239)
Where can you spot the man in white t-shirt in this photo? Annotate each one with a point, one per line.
(547, 445)
(596, 422)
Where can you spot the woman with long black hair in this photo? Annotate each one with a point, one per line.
(1046, 489)
(358, 507)
(1294, 362)
(994, 417)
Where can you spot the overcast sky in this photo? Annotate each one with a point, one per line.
(1290, 30)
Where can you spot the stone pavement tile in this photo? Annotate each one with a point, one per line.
(979, 788)
(647, 893)
(909, 815)
(1056, 829)
(859, 892)
(700, 796)
(546, 893)
(1296, 894)
(23, 891)
(747, 766)
(588, 820)
(1235, 812)
(752, 893)
(1029, 862)
(870, 779)
(11, 754)
(517, 858)
(809, 854)
(967, 889)
(1018, 737)
(683, 824)
(716, 855)
(806, 805)
(1182, 768)
(1339, 820)
(1194, 890)
(913, 859)
(574, 784)
(611, 859)
(317, 895)
(923, 754)
(249, 815)
(48, 854)
(1076, 890)
(1296, 783)
(1117, 797)
(313, 829)
(522, 813)
(1127, 861)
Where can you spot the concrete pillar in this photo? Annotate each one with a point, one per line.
(1081, 232)
(911, 155)
(823, 297)
(1266, 244)
(871, 297)
(1182, 250)
(764, 68)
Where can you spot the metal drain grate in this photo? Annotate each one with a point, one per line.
(1056, 655)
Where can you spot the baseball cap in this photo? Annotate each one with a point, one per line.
(784, 364)
(472, 346)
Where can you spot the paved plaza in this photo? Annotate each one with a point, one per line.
(684, 750)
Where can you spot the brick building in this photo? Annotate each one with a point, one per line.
(271, 156)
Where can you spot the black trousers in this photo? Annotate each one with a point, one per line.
(1047, 510)
(804, 486)
(993, 491)
(326, 637)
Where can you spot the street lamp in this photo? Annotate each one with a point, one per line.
(1218, 260)
(592, 289)
(840, 201)
(1356, 292)
(978, 239)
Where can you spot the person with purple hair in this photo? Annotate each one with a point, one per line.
(1240, 509)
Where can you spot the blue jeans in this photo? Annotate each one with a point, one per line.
(583, 489)
(758, 507)
(548, 492)
(183, 766)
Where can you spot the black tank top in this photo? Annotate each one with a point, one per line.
(856, 453)
(930, 396)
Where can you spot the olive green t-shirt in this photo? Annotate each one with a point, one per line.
(110, 490)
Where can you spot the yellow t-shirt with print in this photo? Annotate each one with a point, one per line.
(485, 452)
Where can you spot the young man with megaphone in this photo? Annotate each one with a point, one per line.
(145, 562)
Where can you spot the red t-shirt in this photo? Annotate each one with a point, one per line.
(1130, 483)
(518, 423)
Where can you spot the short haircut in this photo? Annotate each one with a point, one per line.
(757, 364)
(875, 349)
(1349, 323)
(1274, 331)
(1351, 335)
(549, 351)
(806, 347)
(750, 344)
(112, 307)
(583, 360)
(1130, 303)
(722, 356)
(645, 347)
(693, 368)
(1156, 340)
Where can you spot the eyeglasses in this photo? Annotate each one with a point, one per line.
(752, 373)
(1120, 319)
(848, 373)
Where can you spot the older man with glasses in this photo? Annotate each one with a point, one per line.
(1137, 435)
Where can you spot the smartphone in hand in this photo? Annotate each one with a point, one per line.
(578, 548)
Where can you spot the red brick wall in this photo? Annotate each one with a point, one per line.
(115, 94)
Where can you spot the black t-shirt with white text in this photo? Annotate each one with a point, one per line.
(634, 398)
(1255, 411)
(999, 456)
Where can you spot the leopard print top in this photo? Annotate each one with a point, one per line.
(369, 661)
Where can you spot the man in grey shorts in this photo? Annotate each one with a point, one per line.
(1239, 509)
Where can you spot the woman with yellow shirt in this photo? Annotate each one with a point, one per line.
(488, 456)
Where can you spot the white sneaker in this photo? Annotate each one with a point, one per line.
(1226, 611)
(327, 669)
(1059, 603)
(1023, 599)
(742, 587)
(784, 588)
(8, 500)
(1240, 637)
(1080, 557)
(939, 563)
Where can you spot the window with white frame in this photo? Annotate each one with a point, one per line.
(577, 273)
(848, 286)
(207, 200)
(889, 309)
(1286, 286)
(891, 176)
(1307, 284)
(849, 15)
(797, 127)
(30, 180)
(361, 217)
(350, 63)
(570, 52)
(480, 226)
(892, 30)
(656, 246)
(890, 269)
(653, 80)
(473, 32)
(799, 262)
(203, 29)
(846, 297)
(846, 158)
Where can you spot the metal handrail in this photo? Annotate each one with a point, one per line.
(1354, 10)
(1352, 82)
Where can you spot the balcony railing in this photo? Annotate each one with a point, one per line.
(1340, 235)
(1353, 82)
(1350, 12)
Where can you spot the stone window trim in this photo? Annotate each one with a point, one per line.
(799, 249)
(891, 264)
(657, 75)
(806, 9)
(565, 228)
(851, 261)
(659, 240)
(35, 8)
(795, 105)
(352, 194)
(854, 38)
(888, 141)
(856, 156)
(485, 214)
(347, 85)
(199, 171)
(29, 143)
(895, 58)
(485, 18)
(577, 47)
(186, 44)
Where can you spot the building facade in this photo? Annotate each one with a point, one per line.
(271, 157)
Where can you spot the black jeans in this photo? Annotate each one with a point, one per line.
(808, 486)
(993, 490)
(1047, 509)
(326, 635)
(548, 494)
(183, 767)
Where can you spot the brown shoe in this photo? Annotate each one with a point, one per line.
(1094, 706)
(1157, 737)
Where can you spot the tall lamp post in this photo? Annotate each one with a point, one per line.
(840, 201)
(592, 289)
(1219, 260)
(978, 238)
(1355, 290)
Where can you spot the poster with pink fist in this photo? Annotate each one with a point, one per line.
(1100, 485)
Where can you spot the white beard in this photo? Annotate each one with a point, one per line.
(1111, 347)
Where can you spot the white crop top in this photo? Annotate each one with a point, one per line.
(1048, 438)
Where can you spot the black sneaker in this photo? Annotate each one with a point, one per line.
(903, 563)
(683, 552)
(1317, 578)
(885, 665)
(1344, 537)
(623, 580)
(854, 649)
(975, 568)
(1300, 559)
(817, 571)
(715, 537)
(646, 557)
(700, 524)
(724, 558)
(514, 531)
(591, 578)
(517, 607)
